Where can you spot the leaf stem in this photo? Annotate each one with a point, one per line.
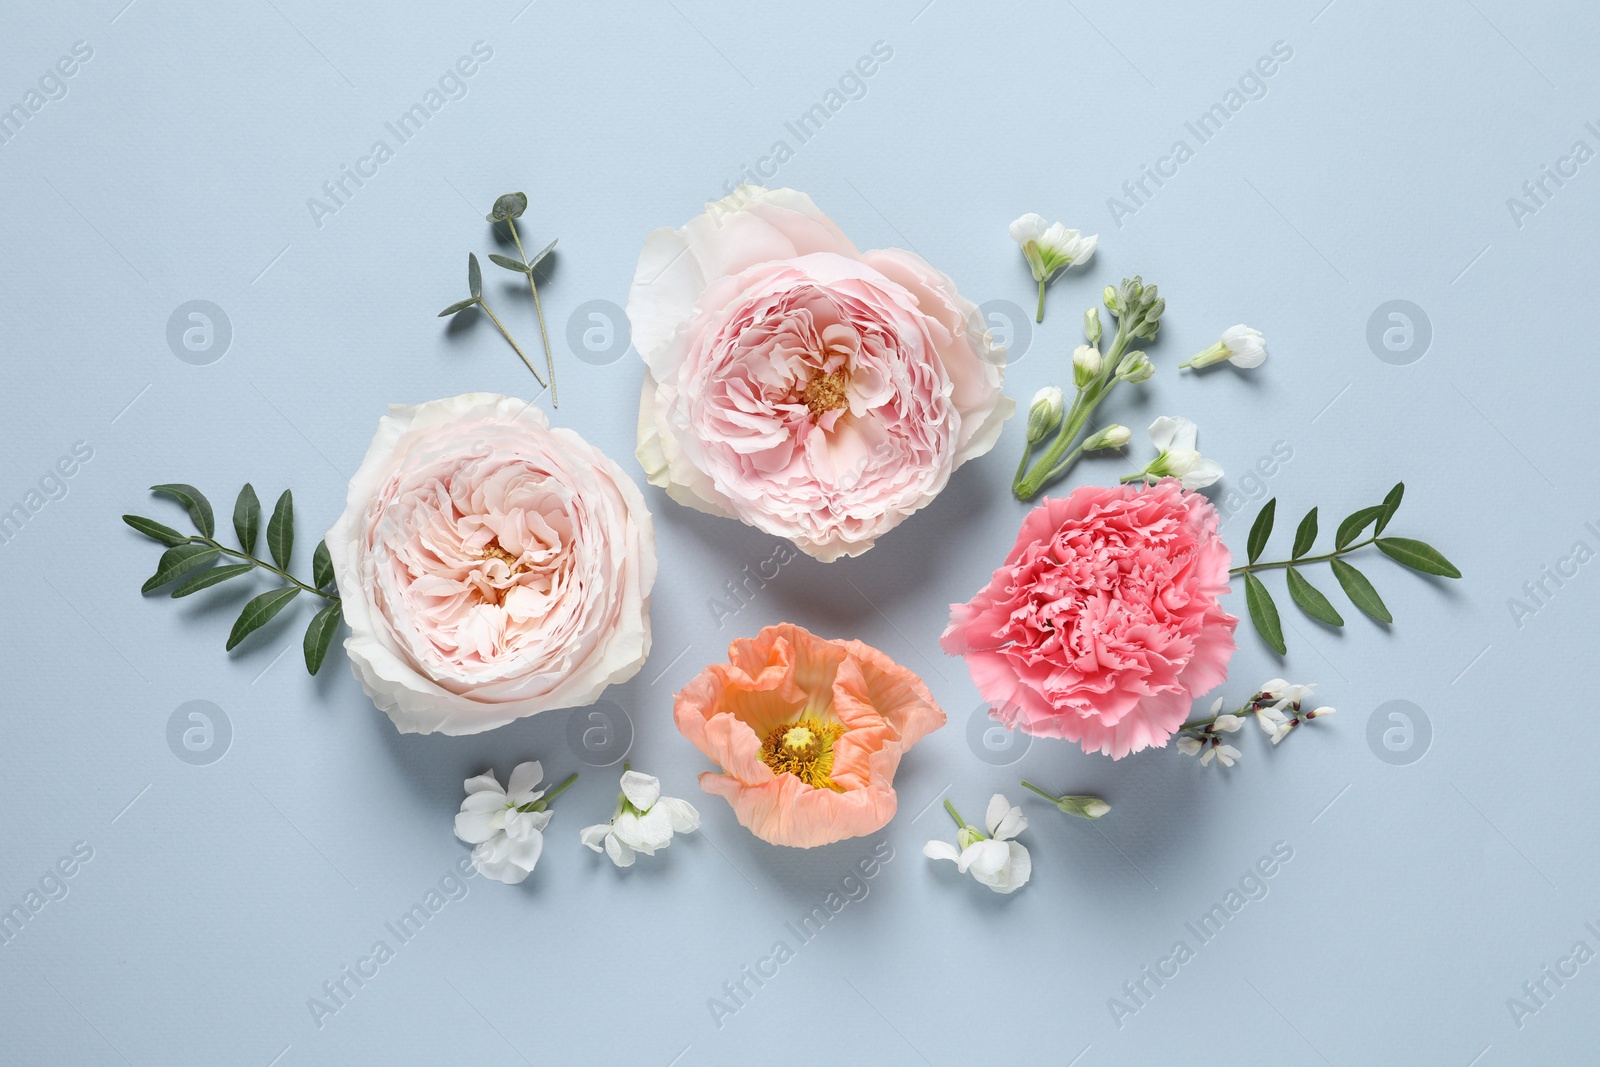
(263, 564)
(538, 309)
(1335, 554)
(484, 304)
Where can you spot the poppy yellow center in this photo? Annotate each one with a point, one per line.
(805, 750)
(825, 392)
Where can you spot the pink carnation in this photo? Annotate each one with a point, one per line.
(1102, 626)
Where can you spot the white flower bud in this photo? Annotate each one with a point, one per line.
(1091, 325)
(1044, 413)
(1084, 807)
(1086, 363)
(1136, 367)
(1113, 436)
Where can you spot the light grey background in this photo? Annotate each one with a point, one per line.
(1376, 167)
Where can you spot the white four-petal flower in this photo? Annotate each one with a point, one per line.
(644, 821)
(1175, 438)
(503, 825)
(995, 859)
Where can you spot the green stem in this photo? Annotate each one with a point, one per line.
(484, 304)
(263, 564)
(954, 814)
(548, 797)
(1040, 316)
(1048, 796)
(1335, 554)
(538, 309)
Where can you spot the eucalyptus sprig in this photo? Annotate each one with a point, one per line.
(1137, 309)
(1417, 555)
(475, 287)
(508, 209)
(192, 559)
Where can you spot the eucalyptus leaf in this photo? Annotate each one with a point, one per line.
(1354, 523)
(1311, 600)
(1360, 591)
(176, 562)
(1416, 555)
(195, 501)
(509, 264)
(474, 277)
(1306, 535)
(459, 306)
(1261, 529)
(259, 612)
(321, 566)
(319, 635)
(209, 578)
(1391, 504)
(280, 530)
(1264, 613)
(154, 530)
(539, 255)
(247, 517)
(509, 206)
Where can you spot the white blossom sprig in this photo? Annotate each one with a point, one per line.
(1278, 707)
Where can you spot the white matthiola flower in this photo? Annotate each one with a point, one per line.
(643, 822)
(1174, 438)
(1049, 248)
(1224, 754)
(506, 825)
(992, 858)
(1241, 345)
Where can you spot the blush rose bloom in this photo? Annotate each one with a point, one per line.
(490, 567)
(810, 390)
(808, 733)
(1103, 625)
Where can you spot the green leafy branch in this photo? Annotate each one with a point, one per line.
(193, 559)
(1417, 555)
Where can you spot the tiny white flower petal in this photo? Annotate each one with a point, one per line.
(484, 783)
(942, 850)
(620, 854)
(1226, 754)
(1201, 473)
(490, 861)
(525, 777)
(1164, 433)
(1209, 755)
(1228, 723)
(642, 790)
(594, 836)
(1246, 347)
(1321, 712)
(476, 827)
(983, 859)
(1216, 706)
(995, 812)
(1029, 227)
(682, 814)
(1189, 746)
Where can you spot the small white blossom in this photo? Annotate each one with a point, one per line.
(1174, 438)
(506, 826)
(1241, 345)
(1228, 724)
(994, 859)
(644, 821)
(1189, 745)
(1049, 248)
(1285, 693)
(1321, 712)
(1224, 754)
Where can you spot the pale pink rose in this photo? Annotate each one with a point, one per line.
(490, 567)
(813, 391)
(1102, 626)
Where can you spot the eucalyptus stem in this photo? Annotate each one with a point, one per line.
(1275, 564)
(507, 335)
(263, 564)
(538, 309)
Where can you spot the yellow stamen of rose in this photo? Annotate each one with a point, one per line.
(805, 750)
(825, 393)
(493, 550)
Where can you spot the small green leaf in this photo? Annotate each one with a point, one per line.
(176, 562)
(214, 576)
(1311, 600)
(259, 612)
(459, 306)
(319, 635)
(280, 530)
(1354, 523)
(474, 277)
(247, 517)
(321, 567)
(195, 501)
(1306, 535)
(1391, 504)
(509, 206)
(155, 530)
(1360, 591)
(545, 251)
(508, 263)
(1264, 613)
(1416, 555)
(1261, 529)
